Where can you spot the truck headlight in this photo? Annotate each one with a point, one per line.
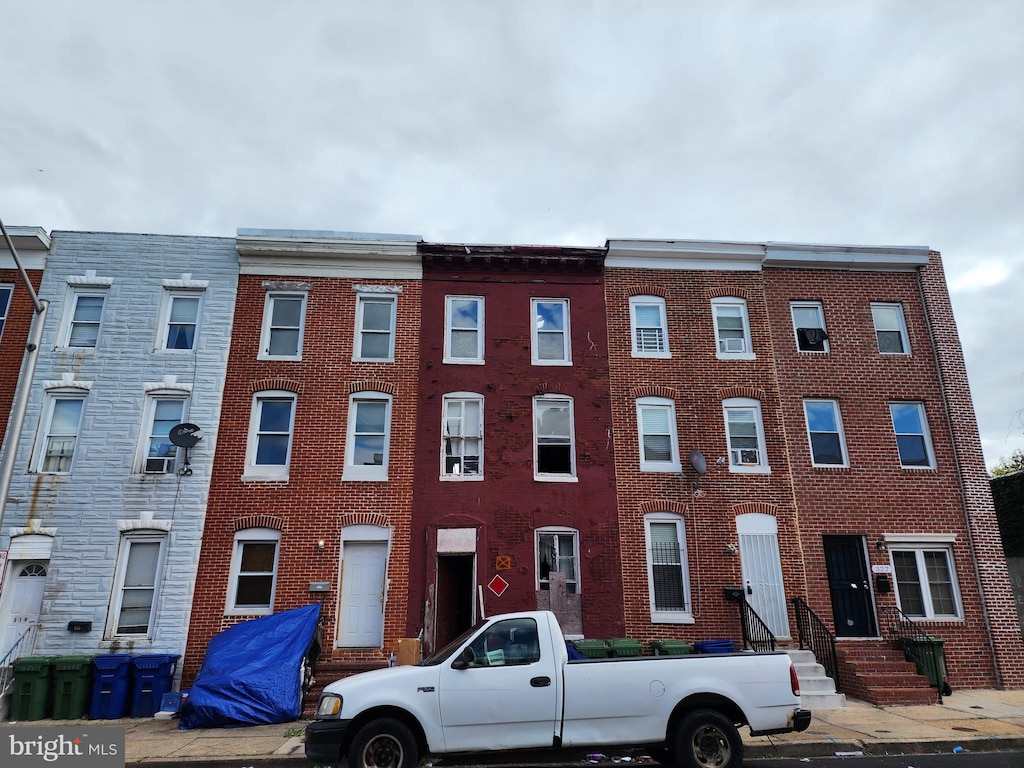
(329, 706)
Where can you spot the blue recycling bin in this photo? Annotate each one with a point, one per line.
(111, 681)
(152, 677)
(715, 646)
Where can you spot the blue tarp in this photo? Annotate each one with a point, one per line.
(252, 672)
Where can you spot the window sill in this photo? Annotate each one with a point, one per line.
(364, 478)
(653, 355)
(563, 363)
(281, 358)
(264, 477)
(760, 470)
(555, 479)
(249, 611)
(461, 361)
(674, 469)
(918, 468)
(735, 355)
(672, 618)
(373, 360)
(461, 478)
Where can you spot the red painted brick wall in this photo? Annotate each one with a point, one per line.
(15, 335)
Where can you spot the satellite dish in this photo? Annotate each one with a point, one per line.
(184, 435)
(698, 463)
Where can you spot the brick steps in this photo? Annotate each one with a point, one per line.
(880, 674)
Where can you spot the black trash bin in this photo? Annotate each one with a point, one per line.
(111, 682)
(152, 677)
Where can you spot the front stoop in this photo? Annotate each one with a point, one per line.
(817, 690)
(880, 674)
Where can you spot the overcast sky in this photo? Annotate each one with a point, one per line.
(550, 122)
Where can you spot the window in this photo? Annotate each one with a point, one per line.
(554, 455)
(745, 435)
(254, 571)
(809, 326)
(462, 436)
(507, 643)
(81, 327)
(912, 438)
(656, 421)
(284, 317)
(558, 552)
(5, 306)
(62, 424)
(135, 593)
(732, 329)
(550, 331)
(270, 436)
(369, 420)
(159, 453)
(649, 327)
(668, 577)
(463, 329)
(825, 432)
(890, 329)
(375, 328)
(181, 319)
(926, 585)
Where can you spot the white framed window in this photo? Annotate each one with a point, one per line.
(136, 585)
(464, 329)
(554, 439)
(6, 291)
(649, 326)
(81, 325)
(254, 571)
(668, 570)
(549, 331)
(180, 319)
(825, 433)
(656, 424)
(912, 437)
(809, 326)
(63, 420)
(890, 328)
(926, 585)
(271, 424)
(158, 455)
(732, 329)
(744, 430)
(558, 551)
(369, 435)
(375, 328)
(462, 436)
(284, 321)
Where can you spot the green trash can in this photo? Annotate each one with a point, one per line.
(33, 688)
(72, 681)
(928, 653)
(624, 646)
(592, 649)
(671, 647)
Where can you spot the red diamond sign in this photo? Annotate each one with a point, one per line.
(497, 585)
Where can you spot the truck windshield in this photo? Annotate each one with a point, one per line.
(439, 656)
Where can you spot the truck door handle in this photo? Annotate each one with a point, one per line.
(540, 682)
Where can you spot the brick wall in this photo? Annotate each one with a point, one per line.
(15, 333)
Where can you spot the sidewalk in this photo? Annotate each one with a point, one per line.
(977, 721)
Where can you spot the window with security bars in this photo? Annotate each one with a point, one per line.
(557, 552)
(135, 596)
(649, 328)
(666, 563)
(462, 436)
(925, 584)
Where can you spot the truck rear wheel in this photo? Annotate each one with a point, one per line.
(708, 739)
(383, 743)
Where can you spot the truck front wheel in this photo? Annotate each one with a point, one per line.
(708, 739)
(383, 743)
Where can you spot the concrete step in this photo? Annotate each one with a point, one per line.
(814, 701)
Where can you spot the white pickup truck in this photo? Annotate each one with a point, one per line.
(508, 683)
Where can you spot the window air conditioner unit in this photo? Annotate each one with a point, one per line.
(745, 456)
(734, 345)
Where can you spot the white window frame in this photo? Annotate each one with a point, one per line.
(726, 349)
(5, 307)
(924, 434)
(69, 321)
(366, 472)
(274, 472)
(663, 616)
(819, 310)
(142, 460)
(252, 536)
(449, 328)
(556, 477)
(464, 398)
(166, 308)
(128, 541)
(362, 300)
(558, 531)
(536, 333)
(920, 548)
(668, 407)
(901, 325)
(838, 431)
(637, 330)
(45, 434)
(268, 329)
(735, 461)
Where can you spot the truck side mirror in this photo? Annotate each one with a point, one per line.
(465, 659)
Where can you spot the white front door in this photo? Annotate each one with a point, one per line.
(762, 570)
(22, 602)
(362, 594)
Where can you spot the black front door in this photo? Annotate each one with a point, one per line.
(849, 586)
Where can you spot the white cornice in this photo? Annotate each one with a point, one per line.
(32, 244)
(892, 258)
(328, 254)
(684, 254)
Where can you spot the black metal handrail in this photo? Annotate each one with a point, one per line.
(924, 650)
(756, 634)
(817, 638)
